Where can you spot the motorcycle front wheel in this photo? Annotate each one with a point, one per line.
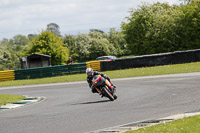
(108, 94)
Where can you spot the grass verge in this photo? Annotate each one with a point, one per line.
(186, 125)
(5, 99)
(135, 72)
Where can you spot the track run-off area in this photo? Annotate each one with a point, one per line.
(72, 108)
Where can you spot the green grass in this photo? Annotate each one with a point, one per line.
(5, 99)
(186, 125)
(135, 72)
(158, 70)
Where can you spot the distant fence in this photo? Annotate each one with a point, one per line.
(177, 57)
(42, 72)
(51, 71)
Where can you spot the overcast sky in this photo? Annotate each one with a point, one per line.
(73, 16)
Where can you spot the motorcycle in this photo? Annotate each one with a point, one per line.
(101, 85)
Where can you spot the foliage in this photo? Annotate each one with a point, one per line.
(31, 37)
(117, 39)
(81, 47)
(188, 25)
(54, 28)
(49, 44)
(78, 46)
(100, 45)
(96, 43)
(159, 28)
(11, 50)
(19, 43)
(8, 60)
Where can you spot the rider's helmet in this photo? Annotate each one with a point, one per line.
(89, 71)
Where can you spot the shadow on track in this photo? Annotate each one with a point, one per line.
(102, 101)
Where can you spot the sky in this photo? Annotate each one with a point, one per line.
(73, 16)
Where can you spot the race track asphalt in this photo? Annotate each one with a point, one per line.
(72, 108)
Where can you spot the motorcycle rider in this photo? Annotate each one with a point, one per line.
(90, 74)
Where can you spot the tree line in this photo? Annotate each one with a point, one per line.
(159, 27)
(149, 29)
(81, 47)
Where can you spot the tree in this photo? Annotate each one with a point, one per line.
(162, 36)
(188, 25)
(100, 44)
(136, 28)
(54, 28)
(70, 42)
(32, 36)
(19, 43)
(81, 47)
(96, 43)
(97, 30)
(4, 40)
(162, 28)
(20, 39)
(152, 29)
(8, 60)
(11, 50)
(117, 39)
(49, 44)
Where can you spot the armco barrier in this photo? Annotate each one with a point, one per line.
(177, 57)
(95, 65)
(50, 71)
(7, 75)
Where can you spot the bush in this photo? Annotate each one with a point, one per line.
(50, 44)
